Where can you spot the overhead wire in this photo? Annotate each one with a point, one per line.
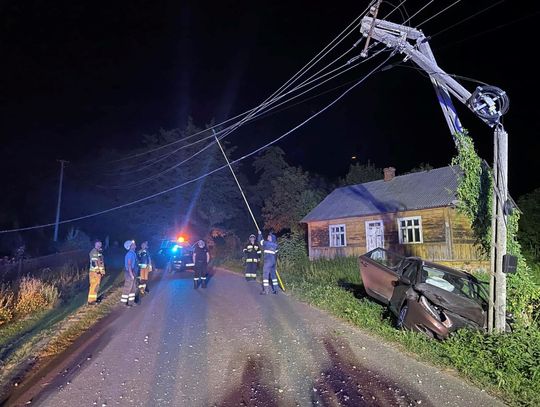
(143, 199)
(306, 66)
(134, 168)
(467, 19)
(439, 13)
(251, 112)
(176, 165)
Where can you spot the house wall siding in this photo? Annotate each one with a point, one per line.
(447, 238)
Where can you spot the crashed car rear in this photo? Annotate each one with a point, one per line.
(425, 297)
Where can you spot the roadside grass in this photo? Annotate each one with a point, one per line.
(507, 365)
(47, 331)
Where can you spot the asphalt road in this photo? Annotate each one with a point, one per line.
(226, 345)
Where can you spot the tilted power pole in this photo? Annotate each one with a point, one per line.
(489, 104)
(62, 164)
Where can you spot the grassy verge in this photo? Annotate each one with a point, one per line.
(506, 365)
(26, 341)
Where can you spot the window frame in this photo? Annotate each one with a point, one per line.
(330, 233)
(420, 228)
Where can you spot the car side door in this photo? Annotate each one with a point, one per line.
(377, 279)
(408, 274)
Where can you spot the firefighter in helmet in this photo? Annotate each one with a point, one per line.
(145, 265)
(201, 257)
(270, 250)
(252, 255)
(96, 271)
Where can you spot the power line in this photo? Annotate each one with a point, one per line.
(167, 170)
(377, 68)
(439, 13)
(301, 71)
(467, 19)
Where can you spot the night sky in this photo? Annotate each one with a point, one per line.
(80, 76)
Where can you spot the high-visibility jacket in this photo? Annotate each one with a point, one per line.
(144, 258)
(97, 264)
(252, 253)
(269, 248)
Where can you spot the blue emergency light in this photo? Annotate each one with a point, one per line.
(175, 248)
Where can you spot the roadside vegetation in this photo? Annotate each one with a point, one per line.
(42, 314)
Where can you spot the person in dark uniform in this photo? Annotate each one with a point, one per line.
(252, 254)
(201, 257)
(145, 266)
(270, 250)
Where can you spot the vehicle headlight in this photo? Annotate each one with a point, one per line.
(432, 309)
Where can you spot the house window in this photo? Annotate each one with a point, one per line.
(410, 230)
(337, 236)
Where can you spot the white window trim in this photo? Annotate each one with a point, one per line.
(367, 223)
(344, 234)
(399, 220)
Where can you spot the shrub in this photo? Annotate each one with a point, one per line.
(6, 304)
(34, 295)
(292, 249)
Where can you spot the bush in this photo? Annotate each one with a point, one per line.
(6, 304)
(292, 249)
(34, 295)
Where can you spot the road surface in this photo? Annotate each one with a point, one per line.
(226, 345)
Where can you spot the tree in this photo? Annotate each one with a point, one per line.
(292, 198)
(360, 173)
(529, 224)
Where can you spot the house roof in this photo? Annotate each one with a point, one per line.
(419, 190)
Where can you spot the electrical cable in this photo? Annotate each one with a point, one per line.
(134, 168)
(467, 19)
(265, 146)
(439, 13)
(271, 96)
(167, 170)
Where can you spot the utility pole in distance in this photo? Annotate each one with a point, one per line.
(62, 164)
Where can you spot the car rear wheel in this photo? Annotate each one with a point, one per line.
(402, 315)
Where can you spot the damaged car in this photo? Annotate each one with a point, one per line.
(425, 297)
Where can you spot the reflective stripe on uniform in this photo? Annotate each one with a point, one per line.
(270, 251)
(252, 260)
(196, 278)
(203, 278)
(274, 282)
(143, 265)
(265, 282)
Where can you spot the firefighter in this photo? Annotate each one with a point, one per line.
(131, 270)
(252, 254)
(270, 250)
(145, 266)
(201, 257)
(96, 271)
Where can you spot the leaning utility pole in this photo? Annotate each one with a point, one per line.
(62, 163)
(489, 104)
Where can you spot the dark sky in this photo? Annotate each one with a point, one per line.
(80, 75)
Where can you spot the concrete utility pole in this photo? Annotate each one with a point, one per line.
(489, 104)
(62, 164)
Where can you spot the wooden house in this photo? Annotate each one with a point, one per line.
(413, 214)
